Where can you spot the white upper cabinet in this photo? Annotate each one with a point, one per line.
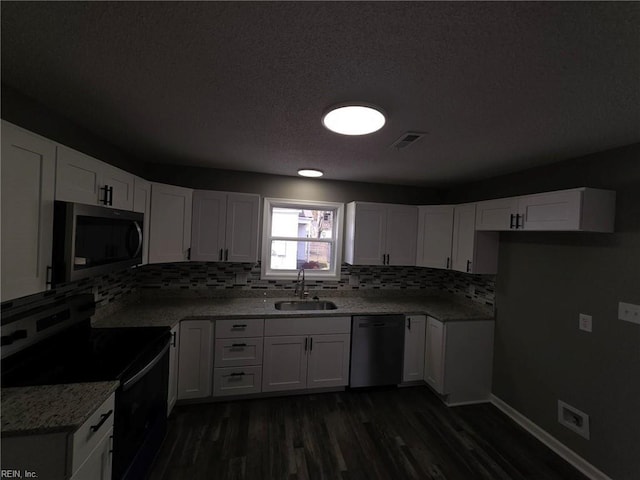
(579, 209)
(142, 204)
(496, 215)
(225, 227)
(435, 233)
(84, 179)
(472, 251)
(170, 223)
(381, 234)
(28, 178)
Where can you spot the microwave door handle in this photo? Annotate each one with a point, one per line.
(139, 232)
(134, 229)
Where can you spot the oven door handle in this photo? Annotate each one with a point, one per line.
(138, 376)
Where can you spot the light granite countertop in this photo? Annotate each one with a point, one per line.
(170, 311)
(51, 408)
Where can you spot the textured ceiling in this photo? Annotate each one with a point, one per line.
(498, 87)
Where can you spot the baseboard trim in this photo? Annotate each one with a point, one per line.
(562, 450)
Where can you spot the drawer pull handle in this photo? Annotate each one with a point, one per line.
(242, 325)
(103, 418)
(236, 374)
(238, 344)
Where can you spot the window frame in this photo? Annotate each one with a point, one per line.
(336, 251)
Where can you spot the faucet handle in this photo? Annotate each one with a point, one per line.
(305, 295)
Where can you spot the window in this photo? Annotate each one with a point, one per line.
(301, 234)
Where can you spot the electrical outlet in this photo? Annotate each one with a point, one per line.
(354, 280)
(241, 278)
(573, 419)
(629, 312)
(584, 322)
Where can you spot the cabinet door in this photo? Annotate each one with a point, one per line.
(172, 391)
(464, 218)
(369, 230)
(208, 226)
(243, 217)
(98, 465)
(497, 215)
(434, 355)
(284, 365)
(401, 234)
(122, 183)
(414, 341)
(551, 211)
(28, 176)
(78, 177)
(170, 223)
(328, 361)
(435, 232)
(142, 204)
(195, 359)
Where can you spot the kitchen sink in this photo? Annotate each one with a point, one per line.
(305, 305)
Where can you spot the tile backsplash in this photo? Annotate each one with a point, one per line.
(236, 277)
(111, 289)
(227, 279)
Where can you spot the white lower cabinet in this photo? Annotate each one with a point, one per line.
(195, 359)
(414, 341)
(304, 353)
(83, 455)
(98, 465)
(458, 360)
(172, 391)
(238, 357)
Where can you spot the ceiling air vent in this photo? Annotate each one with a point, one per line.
(408, 138)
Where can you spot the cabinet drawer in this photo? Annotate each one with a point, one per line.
(237, 380)
(235, 352)
(307, 326)
(248, 327)
(92, 432)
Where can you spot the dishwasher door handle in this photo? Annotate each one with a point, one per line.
(372, 325)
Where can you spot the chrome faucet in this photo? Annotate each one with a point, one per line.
(300, 286)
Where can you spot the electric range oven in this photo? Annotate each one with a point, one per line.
(55, 344)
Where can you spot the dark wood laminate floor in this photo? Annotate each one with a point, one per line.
(391, 434)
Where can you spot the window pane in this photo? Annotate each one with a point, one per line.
(292, 255)
(301, 223)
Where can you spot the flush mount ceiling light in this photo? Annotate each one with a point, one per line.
(310, 172)
(354, 119)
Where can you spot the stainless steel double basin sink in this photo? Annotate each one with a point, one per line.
(290, 305)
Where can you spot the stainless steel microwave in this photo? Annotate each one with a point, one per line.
(91, 240)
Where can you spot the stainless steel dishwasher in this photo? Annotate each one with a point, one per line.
(377, 350)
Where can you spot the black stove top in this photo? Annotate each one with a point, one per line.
(80, 353)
